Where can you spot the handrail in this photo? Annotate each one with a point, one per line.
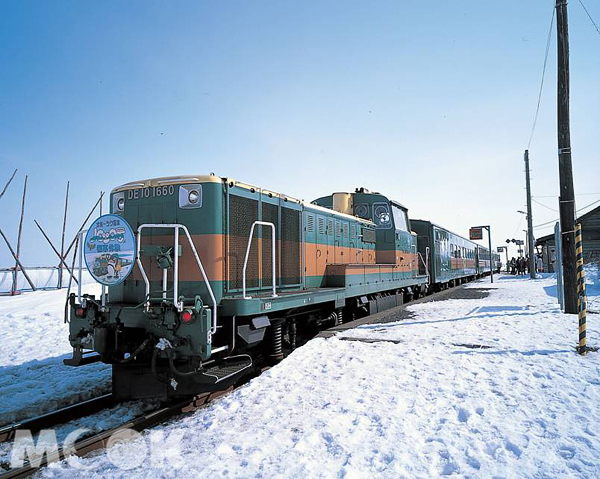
(424, 264)
(263, 223)
(176, 228)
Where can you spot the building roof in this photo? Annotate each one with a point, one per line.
(589, 220)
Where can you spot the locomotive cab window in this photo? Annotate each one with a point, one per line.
(400, 218)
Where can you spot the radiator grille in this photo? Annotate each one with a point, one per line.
(290, 241)
(269, 214)
(321, 224)
(242, 213)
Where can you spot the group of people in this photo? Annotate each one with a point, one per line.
(520, 265)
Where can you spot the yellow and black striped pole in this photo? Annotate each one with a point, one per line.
(581, 299)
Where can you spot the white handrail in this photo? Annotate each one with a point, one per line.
(81, 246)
(176, 228)
(263, 223)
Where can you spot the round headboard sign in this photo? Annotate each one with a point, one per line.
(109, 250)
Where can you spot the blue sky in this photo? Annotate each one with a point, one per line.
(429, 102)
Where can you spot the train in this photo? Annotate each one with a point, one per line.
(228, 277)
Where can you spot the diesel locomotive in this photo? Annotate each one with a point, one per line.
(228, 276)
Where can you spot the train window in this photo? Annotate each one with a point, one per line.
(381, 215)
(400, 218)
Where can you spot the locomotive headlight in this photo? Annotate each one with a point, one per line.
(190, 196)
(118, 203)
(193, 197)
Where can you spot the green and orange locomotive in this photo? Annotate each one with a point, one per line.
(227, 276)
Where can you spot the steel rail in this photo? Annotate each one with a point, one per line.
(100, 440)
(51, 419)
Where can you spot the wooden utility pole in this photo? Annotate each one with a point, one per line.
(530, 247)
(567, 192)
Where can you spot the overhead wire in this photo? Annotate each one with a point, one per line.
(537, 110)
(518, 226)
(590, 17)
(555, 220)
(542, 204)
(556, 196)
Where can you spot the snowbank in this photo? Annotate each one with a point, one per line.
(35, 340)
(426, 405)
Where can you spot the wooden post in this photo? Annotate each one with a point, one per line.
(62, 243)
(8, 183)
(17, 260)
(16, 276)
(565, 167)
(62, 260)
(83, 224)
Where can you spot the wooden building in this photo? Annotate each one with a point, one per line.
(590, 226)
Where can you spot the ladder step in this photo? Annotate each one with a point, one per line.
(226, 368)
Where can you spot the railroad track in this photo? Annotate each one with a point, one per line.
(60, 416)
(99, 441)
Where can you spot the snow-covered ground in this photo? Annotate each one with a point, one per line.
(425, 405)
(34, 342)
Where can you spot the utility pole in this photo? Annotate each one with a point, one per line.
(530, 246)
(565, 168)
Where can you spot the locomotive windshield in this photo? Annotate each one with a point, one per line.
(400, 218)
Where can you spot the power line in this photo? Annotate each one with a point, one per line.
(518, 226)
(537, 110)
(590, 17)
(555, 220)
(556, 196)
(542, 204)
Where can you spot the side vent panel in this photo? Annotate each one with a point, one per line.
(242, 213)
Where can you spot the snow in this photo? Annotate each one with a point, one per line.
(425, 405)
(35, 340)
(592, 287)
